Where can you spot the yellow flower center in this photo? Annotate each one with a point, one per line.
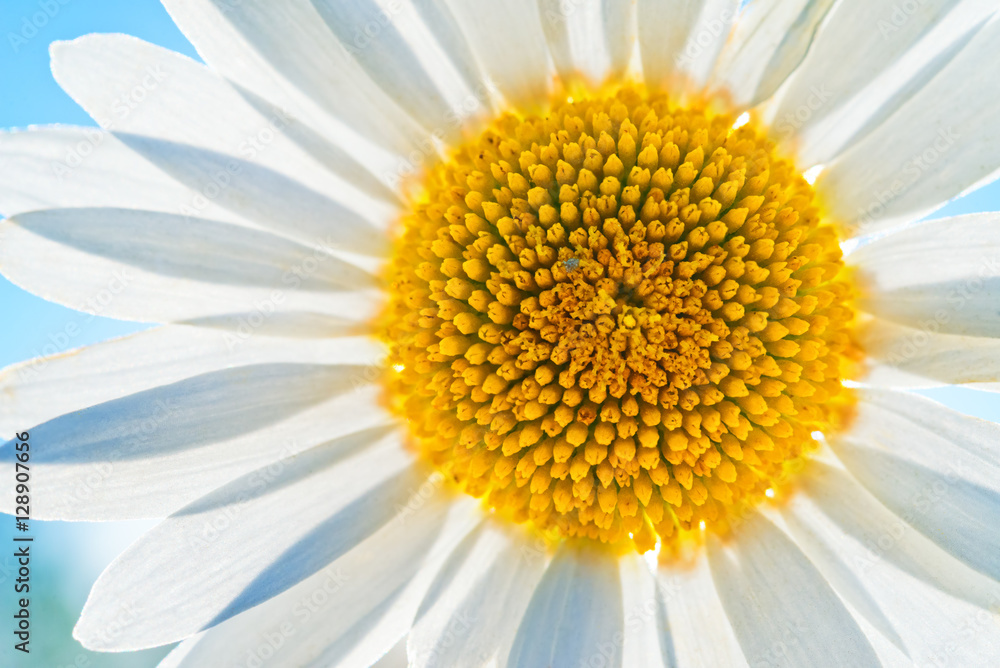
(622, 320)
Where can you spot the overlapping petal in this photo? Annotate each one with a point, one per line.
(575, 615)
(149, 453)
(231, 550)
(354, 610)
(781, 608)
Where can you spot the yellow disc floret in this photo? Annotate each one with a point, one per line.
(619, 321)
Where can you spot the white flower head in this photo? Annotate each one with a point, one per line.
(524, 333)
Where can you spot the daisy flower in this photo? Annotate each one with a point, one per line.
(524, 333)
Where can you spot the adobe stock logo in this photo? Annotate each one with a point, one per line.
(31, 25)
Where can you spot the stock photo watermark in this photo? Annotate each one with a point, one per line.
(33, 24)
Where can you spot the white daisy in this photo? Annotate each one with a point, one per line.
(519, 333)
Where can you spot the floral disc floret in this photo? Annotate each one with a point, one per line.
(622, 320)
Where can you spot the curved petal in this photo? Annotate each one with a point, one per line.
(158, 267)
(769, 41)
(664, 29)
(680, 40)
(283, 52)
(905, 280)
(698, 627)
(41, 389)
(858, 40)
(838, 510)
(780, 606)
(180, 656)
(970, 445)
(353, 611)
(593, 40)
(575, 615)
(147, 454)
(357, 165)
(819, 129)
(76, 167)
(260, 197)
(242, 532)
(128, 85)
(291, 325)
(648, 642)
(907, 357)
(509, 44)
(618, 19)
(570, 31)
(201, 250)
(819, 547)
(472, 609)
(393, 47)
(906, 587)
(931, 150)
(934, 468)
(394, 658)
(442, 24)
(708, 34)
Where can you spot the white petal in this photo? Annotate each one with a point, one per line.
(768, 42)
(395, 658)
(619, 34)
(178, 657)
(707, 37)
(510, 47)
(593, 40)
(149, 453)
(908, 357)
(570, 33)
(134, 87)
(782, 610)
(969, 444)
(67, 167)
(575, 615)
(261, 197)
(250, 540)
(664, 29)
(935, 468)
(472, 609)
(42, 389)
(647, 642)
(680, 40)
(285, 53)
(438, 18)
(355, 162)
(891, 574)
(941, 275)
(389, 614)
(354, 610)
(698, 633)
(865, 538)
(158, 267)
(931, 150)
(858, 40)
(819, 128)
(821, 550)
(389, 41)
(439, 48)
(290, 324)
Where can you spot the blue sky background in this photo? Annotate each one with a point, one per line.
(69, 557)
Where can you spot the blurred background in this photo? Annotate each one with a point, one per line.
(67, 558)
